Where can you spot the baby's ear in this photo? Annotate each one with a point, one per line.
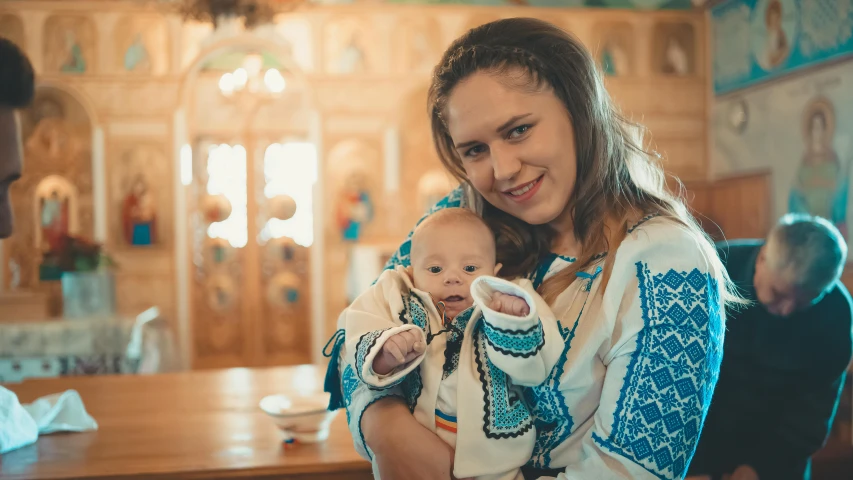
(497, 269)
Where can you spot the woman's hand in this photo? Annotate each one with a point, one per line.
(404, 449)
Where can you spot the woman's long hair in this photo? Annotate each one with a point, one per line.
(616, 177)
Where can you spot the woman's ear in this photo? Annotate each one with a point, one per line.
(498, 268)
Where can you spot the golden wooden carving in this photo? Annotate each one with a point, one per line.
(57, 159)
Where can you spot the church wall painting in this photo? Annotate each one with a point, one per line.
(142, 45)
(69, 44)
(801, 129)
(759, 40)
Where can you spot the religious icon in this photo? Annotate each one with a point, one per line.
(614, 61)
(675, 46)
(136, 56)
(351, 59)
(54, 221)
(675, 59)
(776, 43)
(74, 61)
(821, 185)
(139, 215)
(355, 208)
(346, 47)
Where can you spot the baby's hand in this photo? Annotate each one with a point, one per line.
(509, 304)
(398, 350)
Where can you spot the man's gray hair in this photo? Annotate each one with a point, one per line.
(811, 248)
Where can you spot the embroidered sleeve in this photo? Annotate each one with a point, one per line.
(456, 198)
(370, 344)
(372, 319)
(525, 348)
(662, 365)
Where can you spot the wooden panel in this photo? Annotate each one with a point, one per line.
(23, 306)
(733, 207)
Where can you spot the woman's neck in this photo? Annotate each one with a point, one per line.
(565, 242)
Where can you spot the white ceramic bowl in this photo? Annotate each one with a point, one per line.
(303, 418)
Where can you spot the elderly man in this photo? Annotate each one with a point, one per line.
(17, 86)
(785, 356)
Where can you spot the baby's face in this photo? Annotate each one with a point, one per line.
(447, 258)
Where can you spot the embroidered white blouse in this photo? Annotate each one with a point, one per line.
(641, 357)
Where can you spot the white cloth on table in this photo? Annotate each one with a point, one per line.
(20, 425)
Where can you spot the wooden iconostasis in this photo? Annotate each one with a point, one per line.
(237, 215)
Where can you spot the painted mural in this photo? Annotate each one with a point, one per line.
(758, 40)
(637, 4)
(801, 129)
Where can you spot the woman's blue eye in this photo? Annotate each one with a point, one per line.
(518, 131)
(435, 269)
(470, 268)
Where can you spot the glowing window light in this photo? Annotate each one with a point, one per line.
(226, 169)
(291, 169)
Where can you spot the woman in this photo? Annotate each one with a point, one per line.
(521, 117)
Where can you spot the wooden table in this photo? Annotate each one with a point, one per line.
(201, 424)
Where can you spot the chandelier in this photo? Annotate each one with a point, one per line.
(252, 12)
(251, 78)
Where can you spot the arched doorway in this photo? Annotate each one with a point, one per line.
(250, 207)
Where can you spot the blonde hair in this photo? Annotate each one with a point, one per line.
(452, 216)
(618, 181)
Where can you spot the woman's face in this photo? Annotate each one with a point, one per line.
(517, 147)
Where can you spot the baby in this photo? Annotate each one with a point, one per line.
(460, 342)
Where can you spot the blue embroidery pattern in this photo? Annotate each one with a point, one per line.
(417, 313)
(454, 342)
(402, 256)
(672, 372)
(350, 384)
(505, 415)
(412, 386)
(553, 422)
(363, 347)
(518, 343)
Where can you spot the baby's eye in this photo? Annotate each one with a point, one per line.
(434, 269)
(470, 268)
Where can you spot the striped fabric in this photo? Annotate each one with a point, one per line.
(445, 421)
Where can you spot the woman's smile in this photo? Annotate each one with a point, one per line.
(524, 191)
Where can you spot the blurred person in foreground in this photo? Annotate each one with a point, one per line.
(17, 87)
